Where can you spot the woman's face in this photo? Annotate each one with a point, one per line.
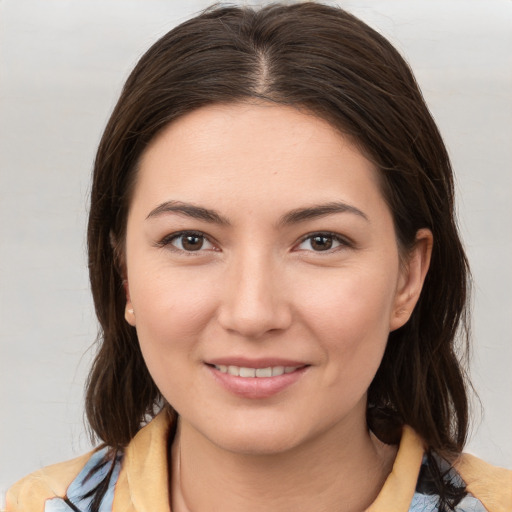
(263, 273)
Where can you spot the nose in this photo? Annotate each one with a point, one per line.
(254, 300)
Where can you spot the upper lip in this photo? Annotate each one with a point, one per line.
(261, 362)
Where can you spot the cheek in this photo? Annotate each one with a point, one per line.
(349, 316)
(166, 299)
(354, 303)
(172, 310)
(170, 320)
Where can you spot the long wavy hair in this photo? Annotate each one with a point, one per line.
(328, 62)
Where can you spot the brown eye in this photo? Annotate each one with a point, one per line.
(192, 242)
(322, 242)
(189, 242)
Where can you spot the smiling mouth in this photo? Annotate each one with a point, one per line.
(243, 371)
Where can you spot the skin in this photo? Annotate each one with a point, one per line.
(258, 287)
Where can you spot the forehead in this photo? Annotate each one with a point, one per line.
(254, 154)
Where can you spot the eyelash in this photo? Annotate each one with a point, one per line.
(343, 241)
(168, 240)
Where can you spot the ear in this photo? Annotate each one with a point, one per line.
(129, 314)
(412, 276)
(119, 262)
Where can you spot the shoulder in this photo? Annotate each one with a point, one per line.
(492, 485)
(489, 488)
(486, 488)
(31, 492)
(49, 488)
(139, 471)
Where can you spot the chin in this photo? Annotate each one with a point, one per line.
(254, 437)
(258, 443)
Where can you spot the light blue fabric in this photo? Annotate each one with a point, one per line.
(428, 503)
(90, 476)
(423, 503)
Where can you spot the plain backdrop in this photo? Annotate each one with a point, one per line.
(62, 64)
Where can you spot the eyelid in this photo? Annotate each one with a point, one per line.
(343, 240)
(166, 241)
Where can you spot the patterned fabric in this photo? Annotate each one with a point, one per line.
(94, 472)
(425, 498)
(99, 465)
(428, 503)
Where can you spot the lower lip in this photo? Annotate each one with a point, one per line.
(257, 387)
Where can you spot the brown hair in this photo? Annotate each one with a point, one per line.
(328, 62)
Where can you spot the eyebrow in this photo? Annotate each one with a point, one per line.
(318, 211)
(292, 217)
(189, 210)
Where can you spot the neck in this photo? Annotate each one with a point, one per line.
(342, 470)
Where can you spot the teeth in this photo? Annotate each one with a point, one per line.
(247, 372)
(277, 370)
(242, 371)
(263, 372)
(233, 370)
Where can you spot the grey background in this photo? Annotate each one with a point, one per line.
(62, 64)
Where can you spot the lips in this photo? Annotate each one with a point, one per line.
(248, 372)
(256, 378)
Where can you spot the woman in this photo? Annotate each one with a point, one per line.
(279, 281)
